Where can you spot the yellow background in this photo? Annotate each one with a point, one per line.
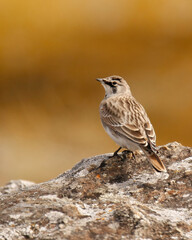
(50, 54)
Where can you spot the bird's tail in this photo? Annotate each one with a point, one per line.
(155, 161)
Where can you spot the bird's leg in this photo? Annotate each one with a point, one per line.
(103, 163)
(116, 152)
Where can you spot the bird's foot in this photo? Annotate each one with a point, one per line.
(128, 152)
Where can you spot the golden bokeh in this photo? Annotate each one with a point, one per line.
(52, 51)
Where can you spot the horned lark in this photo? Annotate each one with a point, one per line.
(126, 121)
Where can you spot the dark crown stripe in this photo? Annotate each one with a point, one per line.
(116, 79)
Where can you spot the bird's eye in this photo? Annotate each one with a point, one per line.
(114, 84)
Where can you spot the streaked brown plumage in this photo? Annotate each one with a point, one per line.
(126, 121)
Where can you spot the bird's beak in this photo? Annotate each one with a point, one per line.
(99, 80)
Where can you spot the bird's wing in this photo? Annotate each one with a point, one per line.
(128, 119)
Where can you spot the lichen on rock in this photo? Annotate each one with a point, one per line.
(104, 197)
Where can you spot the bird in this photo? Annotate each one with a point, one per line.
(126, 121)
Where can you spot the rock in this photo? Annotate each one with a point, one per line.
(104, 197)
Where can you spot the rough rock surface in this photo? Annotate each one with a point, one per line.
(104, 197)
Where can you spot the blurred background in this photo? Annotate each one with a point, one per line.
(52, 51)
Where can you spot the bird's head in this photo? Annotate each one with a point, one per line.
(114, 85)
